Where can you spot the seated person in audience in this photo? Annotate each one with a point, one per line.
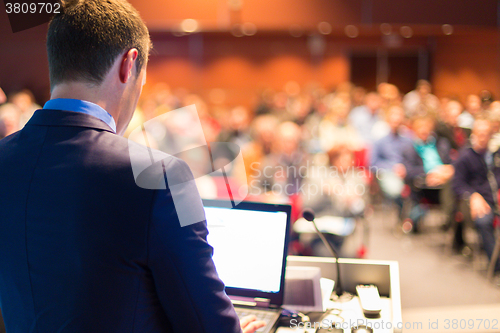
(443, 102)
(458, 137)
(494, 107)
(477, 175)
(312, 122)
(448, 128)
(280, 170)
(427, 162)
(301, 106)
(337, 189)
(472, 108)
(421, 100)
(265, 101)
(387, 157)
(335, 128)
(10, 117)
(280, 107)
(239, 127)
(25, 101)
(358, 96)
(494, 115)
(390, 95)
(263, 130)
(367, 119)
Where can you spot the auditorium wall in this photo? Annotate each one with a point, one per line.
(462, 63)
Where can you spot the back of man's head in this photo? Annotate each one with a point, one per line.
(84, 40)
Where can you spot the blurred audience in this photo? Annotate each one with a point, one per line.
(299, 139)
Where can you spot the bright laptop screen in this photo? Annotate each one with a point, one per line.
(248, 246)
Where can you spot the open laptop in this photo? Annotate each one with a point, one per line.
(250, 244)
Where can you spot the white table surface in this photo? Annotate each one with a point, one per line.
(352, 314)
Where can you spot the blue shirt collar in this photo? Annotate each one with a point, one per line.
(68, 104)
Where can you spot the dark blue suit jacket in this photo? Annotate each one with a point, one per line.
(84, 249)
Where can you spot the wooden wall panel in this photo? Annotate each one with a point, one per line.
(467, 64)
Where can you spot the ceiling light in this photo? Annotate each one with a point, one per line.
(351, 31)
(386, 29)
(325, 28)
(406, 31)
(237, 31)
(249, 29)
(189, 25)
(447, 29)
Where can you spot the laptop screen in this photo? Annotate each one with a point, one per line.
(250, 245)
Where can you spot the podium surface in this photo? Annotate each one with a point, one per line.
(383, 274)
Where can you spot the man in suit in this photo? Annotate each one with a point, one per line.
(83, 248)
(476, 181)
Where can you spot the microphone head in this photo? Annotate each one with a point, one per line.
(308, 214)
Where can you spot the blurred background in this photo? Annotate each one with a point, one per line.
(245, 47)
(308, 93)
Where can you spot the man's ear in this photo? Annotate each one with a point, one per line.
(127, 65)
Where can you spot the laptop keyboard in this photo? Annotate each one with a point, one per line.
(268, 317)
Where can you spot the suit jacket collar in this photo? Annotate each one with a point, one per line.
(47, 117)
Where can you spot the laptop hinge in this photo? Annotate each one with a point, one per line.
(251, 301)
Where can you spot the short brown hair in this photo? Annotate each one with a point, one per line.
(85, 38)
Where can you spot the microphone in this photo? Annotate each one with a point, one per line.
(309, 215)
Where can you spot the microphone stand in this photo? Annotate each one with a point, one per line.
(309, 215)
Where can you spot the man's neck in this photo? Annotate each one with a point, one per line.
(84, 92)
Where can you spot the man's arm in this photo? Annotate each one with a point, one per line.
(180, 260)
(443, 147)
(413, 164)
(376, 158)
(496, 168)
(440, 175)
